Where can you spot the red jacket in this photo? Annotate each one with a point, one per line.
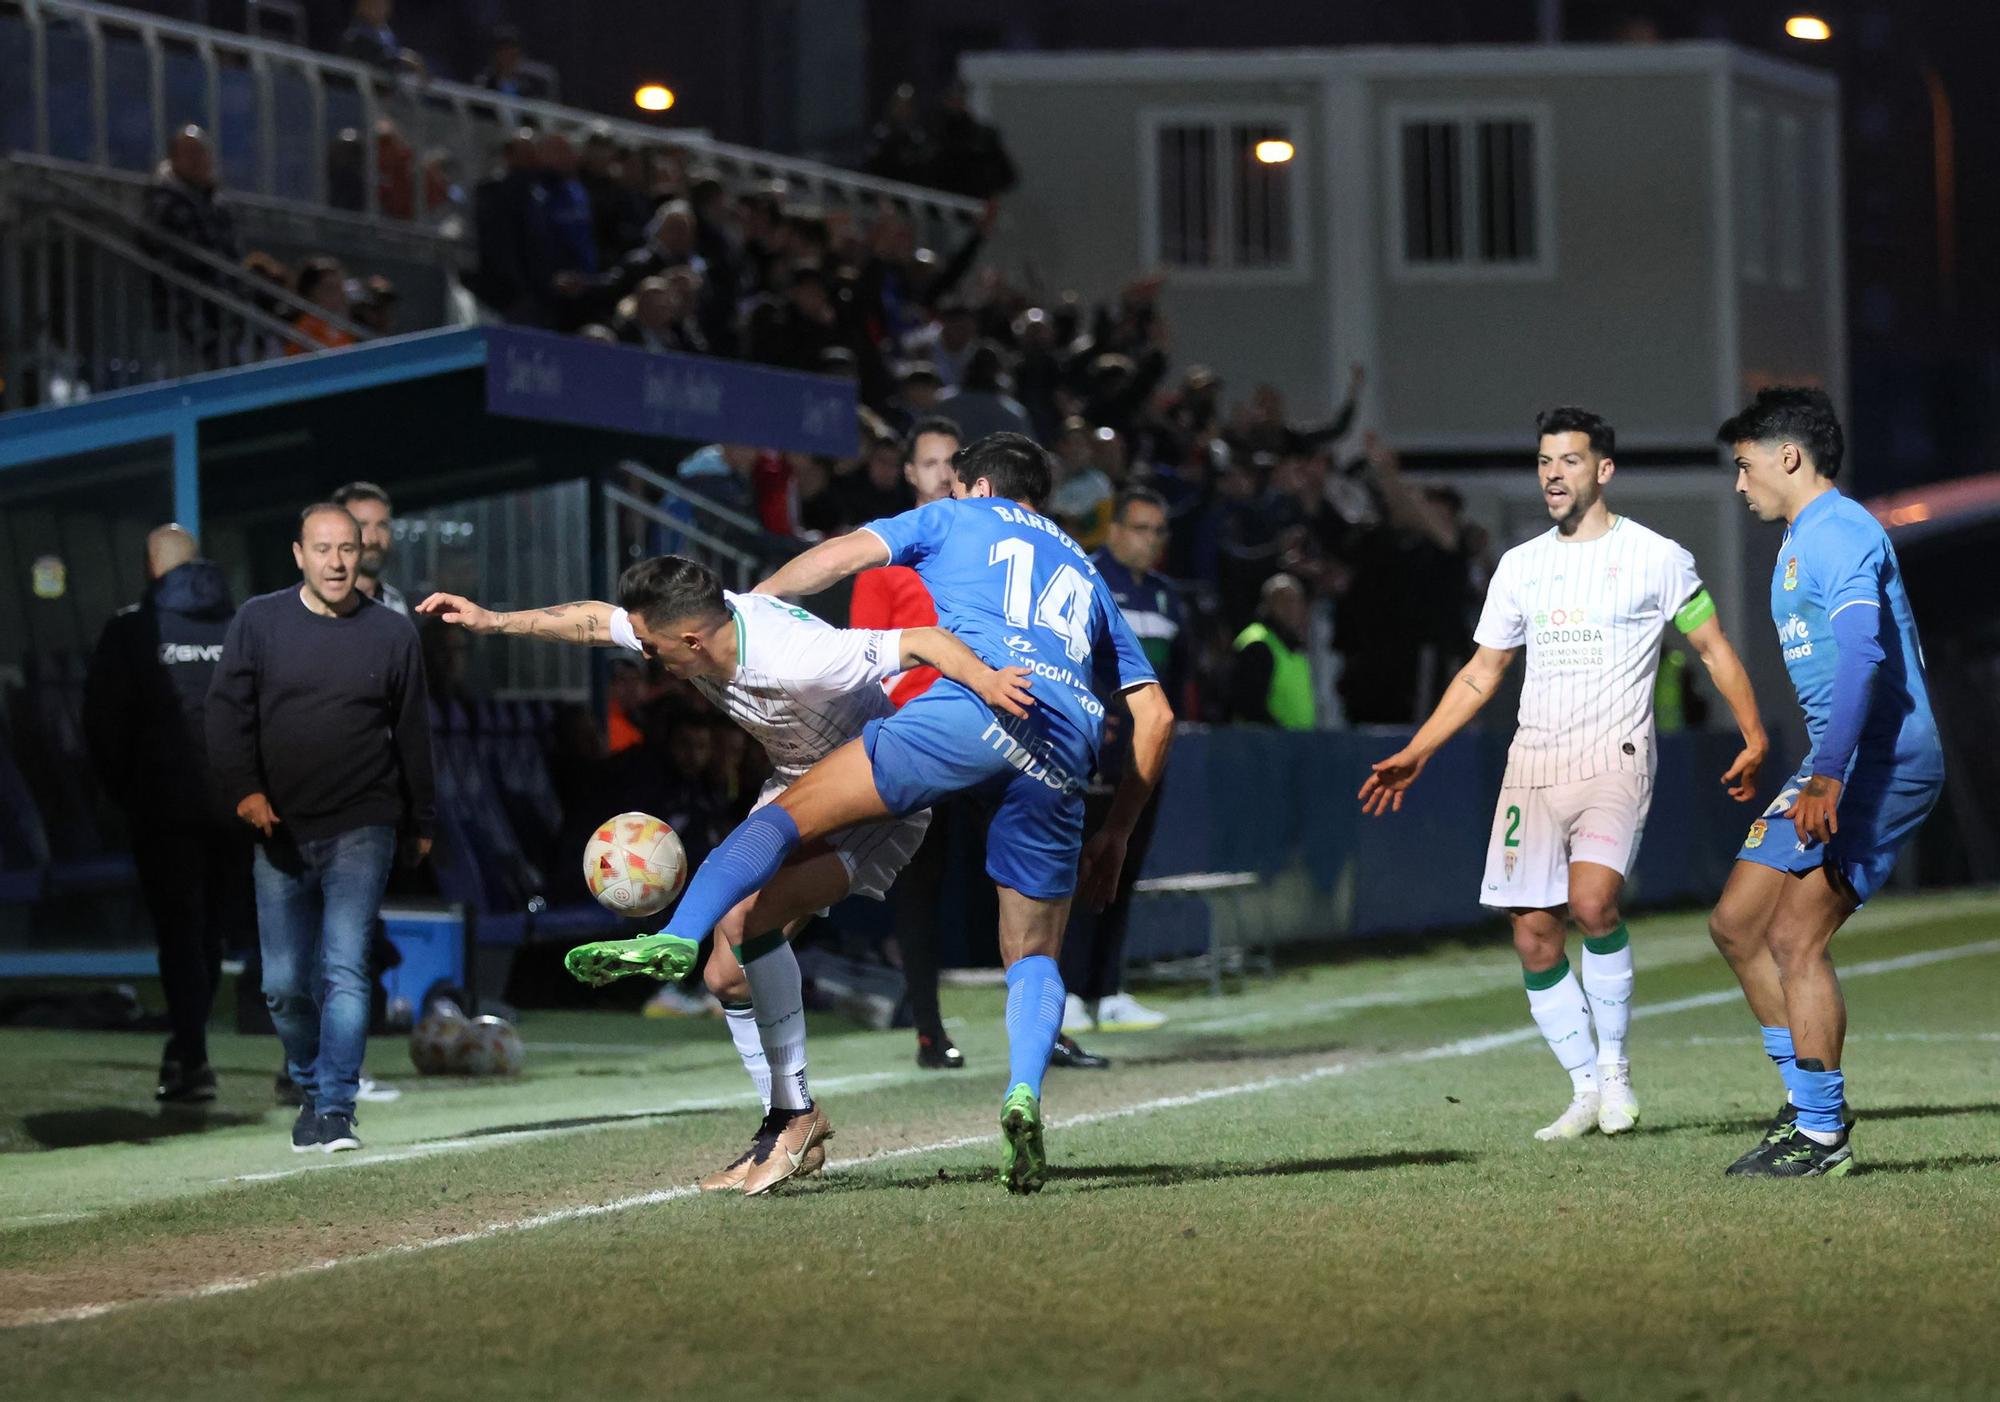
(893, 597)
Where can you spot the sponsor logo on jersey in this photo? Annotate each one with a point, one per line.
(1021, 758)
(1756, 837)
(1020, 644)
(1792, 573)
(171, 653)
(1567, 637)
(1795, 637)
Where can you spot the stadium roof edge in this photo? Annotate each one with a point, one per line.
(146, 412)
(1467, 60)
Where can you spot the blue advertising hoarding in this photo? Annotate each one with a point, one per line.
(536, 375)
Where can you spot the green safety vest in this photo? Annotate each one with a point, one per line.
(1291, 698)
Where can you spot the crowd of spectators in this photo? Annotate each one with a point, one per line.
(187, 217)
(647, 249)
(579, 232)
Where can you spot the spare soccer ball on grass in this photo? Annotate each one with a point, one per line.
(434, 1040)
(489, 1047)
(635, 864)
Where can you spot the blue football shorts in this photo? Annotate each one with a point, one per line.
(948, 742)
(1879, 809)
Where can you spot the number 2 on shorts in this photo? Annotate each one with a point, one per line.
(1513, 837)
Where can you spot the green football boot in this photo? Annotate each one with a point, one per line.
(665, 957)
(1024, 1167)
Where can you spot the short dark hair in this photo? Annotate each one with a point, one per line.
(1796, 413)
(1567, 418)
(361, 491)
(668, 588)
(1144, 496)
(930, 423)
(320, 508)
(1013, 462)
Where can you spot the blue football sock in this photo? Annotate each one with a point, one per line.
(1819, 1096)
(1034, 1019)
(741, 863)
(1778, 1046)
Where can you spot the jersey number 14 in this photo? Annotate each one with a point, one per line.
(1063, 609)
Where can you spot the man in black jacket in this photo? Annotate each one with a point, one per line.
(143, 705)
(319, 733)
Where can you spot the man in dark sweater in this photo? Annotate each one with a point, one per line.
(143, 704)
(319, 734)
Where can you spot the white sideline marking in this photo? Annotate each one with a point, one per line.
(1880, 923)
(1956, 1038)
(432, 1148)
(1467, 1046)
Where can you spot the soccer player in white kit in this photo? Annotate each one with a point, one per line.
(802, 689)
(1589, 599)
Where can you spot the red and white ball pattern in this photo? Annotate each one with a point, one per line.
(635, 864)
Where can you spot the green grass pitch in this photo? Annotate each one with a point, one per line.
(1324, 1186)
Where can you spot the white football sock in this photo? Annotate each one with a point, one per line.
(742, 1020)
(1563, 1014)
(1607, 981)
(777, 991)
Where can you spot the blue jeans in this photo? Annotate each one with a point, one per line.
(316, 903)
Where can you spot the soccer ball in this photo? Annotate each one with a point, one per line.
(490, 1047)
(635, 864)
(434, 1040)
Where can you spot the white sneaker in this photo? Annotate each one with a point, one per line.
(671, 1002)
(1575, 1122)
(1617, 1107)
(1076, 1016)
(1121, 1012)
(374, 1091)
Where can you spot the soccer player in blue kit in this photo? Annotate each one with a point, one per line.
(1873, 771)
(1019, 592)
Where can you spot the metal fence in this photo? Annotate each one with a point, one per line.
(93, 299)
(109, 86)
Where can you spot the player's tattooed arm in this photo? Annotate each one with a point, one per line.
(1816, 815)
(1382, 791)
(1004, 690)
(826, 564)
(586, 622)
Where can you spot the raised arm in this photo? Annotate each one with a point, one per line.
(1725, 670)
(826, 564)
(1473, 687)
(1003, 690)
(587, 621)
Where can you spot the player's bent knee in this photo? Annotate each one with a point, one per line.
(1595, 918)
(727, 981)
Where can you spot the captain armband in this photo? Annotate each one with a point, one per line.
(1695, 611)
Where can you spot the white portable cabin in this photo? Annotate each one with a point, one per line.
(1651, 231)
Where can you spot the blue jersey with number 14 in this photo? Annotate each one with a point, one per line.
(1020, 593)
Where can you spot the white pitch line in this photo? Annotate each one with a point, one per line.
(1474, 983)
(613, 1120)
(1950, 1038)
(1466, 1046)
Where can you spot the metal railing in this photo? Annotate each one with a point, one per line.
(636, 528)
(280, 116)
(92, 300)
